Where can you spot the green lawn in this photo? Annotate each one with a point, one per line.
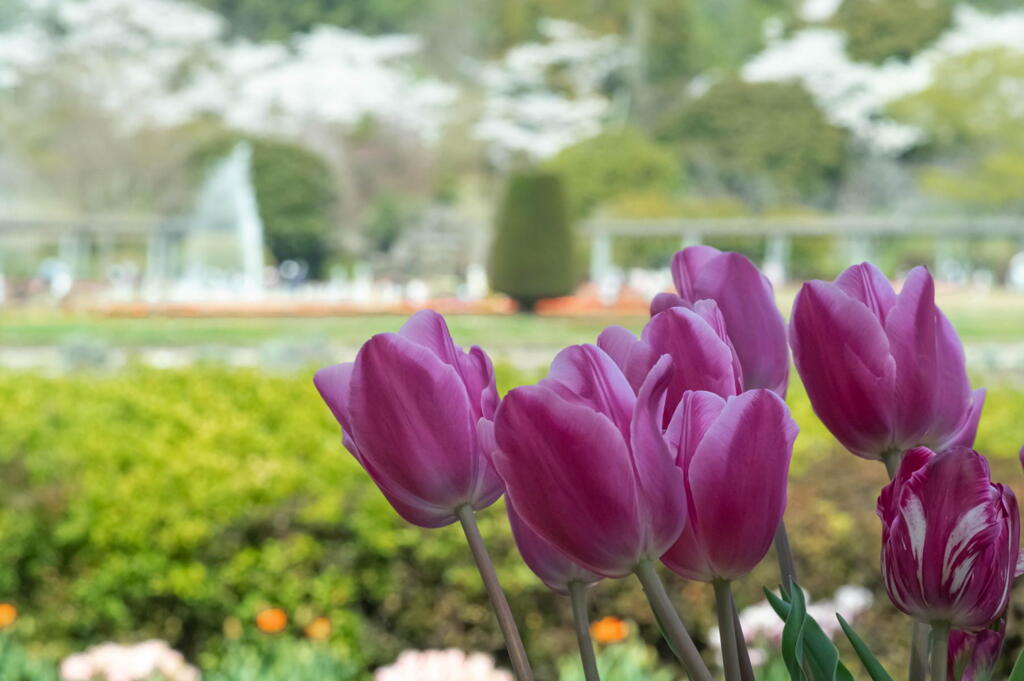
(979, 317)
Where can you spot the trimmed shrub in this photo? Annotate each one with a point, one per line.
(295, 193)
(532, 255)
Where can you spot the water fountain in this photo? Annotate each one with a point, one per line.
(223, 251)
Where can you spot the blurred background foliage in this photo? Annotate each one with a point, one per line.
(178, 504)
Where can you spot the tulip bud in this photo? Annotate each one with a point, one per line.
(586, 465)
(884, 372)
(734, 455)
(973, 656)
(703, 357)
(408, 407)
(747, 302)
(950, 539)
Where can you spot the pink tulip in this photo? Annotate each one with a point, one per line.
(734, 455)
(702, 355)
(552, 566)
(747, 302)
(884, 372)
(408, 408)
(586, 465)
(950, 539)
(973, 656)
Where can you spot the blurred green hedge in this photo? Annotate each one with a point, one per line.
(171, 503)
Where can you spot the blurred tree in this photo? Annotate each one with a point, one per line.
(765, 142)
(532, 254)
(972, 148)
(275, 20)
(612, 164)
(877, 30)
(295, 193)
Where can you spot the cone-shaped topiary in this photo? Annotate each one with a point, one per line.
(532, 254)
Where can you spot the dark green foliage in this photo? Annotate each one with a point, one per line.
(766, 142)
(877, 30)
(614, 164)
(296, 196)
(532, 255)
(278, 20)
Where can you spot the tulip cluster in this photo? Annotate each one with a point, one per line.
(673, 447)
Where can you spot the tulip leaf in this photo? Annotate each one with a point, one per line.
(1018, 668)
(793, 635)
(874, 668)
(821, 654)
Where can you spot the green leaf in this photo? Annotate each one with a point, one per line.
(793, 635)
(1018, 669)
(821, 654)
(874, 668)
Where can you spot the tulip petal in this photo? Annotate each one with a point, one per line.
(490, 485)
(413, 421)
(754, 323)
(661, 484)
(955, 406)
(334, 385)
(686, 267)
(737, 477)
(910, 327)
(693, 417)
(843, 357)
(701, 360)
(558, 459)
(589, 374)
(866, 283)
(552, 566)
(633, 356)
(664, 301)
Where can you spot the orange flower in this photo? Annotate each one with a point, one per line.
(272, 620)
(609, 630)
(319, 629)
(8, 613)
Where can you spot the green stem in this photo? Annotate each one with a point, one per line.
(679, 638)
(727, 630)
(746, 669)
(784, 554)
(513, 643)
(578, 599)
(940, 651)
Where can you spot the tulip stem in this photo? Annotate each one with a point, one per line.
(578, 599)
(940, 651)
(746, 669)
(513, 643)
(727, 630)
(784, 554)
(673, 627)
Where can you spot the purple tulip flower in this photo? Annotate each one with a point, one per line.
(747, 302)
(586, 465)
(950, 539)
(884, 372)
(972, 656)
(702, 355)
(408, 408)
(734, 455)
(553, 567)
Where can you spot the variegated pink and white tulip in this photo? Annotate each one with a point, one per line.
(972, 656)
(950, 539)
